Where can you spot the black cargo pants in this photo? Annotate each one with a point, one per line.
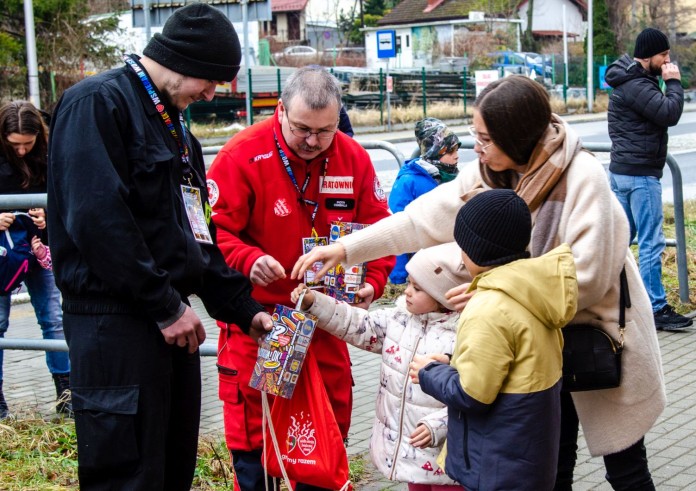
(137, 404)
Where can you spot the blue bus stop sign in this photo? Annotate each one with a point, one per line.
(386, 44)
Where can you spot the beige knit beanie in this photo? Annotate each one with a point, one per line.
(438, 269)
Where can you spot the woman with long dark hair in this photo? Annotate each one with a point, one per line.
(23, 170)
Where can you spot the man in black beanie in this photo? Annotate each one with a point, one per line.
(131, 239)
(507, 361)
(639, 115)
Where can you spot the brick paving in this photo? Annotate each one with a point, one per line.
(671, 443)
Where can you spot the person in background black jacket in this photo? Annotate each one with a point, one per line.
(23, 152)
(639, 115)
(132, 240)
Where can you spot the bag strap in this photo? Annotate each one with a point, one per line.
(267, 421)
(624, 303)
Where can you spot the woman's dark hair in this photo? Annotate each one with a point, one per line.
(517, 112)
(23, 118)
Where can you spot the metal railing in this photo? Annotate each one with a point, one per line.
(24, 201)
(678, 195)
(367, 145)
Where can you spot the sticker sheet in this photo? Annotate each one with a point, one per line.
(343, 281)
(283, 351)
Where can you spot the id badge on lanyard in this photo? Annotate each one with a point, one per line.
(195, 214)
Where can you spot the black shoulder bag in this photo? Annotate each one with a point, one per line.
(591, 357)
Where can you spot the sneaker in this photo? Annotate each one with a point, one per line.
(666, 319)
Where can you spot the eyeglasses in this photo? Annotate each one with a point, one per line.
(304, 133)
(474, 134)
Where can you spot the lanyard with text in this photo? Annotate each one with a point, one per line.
(159, 105)
(288, 169)
(196, 208)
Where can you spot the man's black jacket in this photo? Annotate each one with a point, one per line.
(639, 115)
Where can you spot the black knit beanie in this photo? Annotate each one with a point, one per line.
(197, 41)
(649, 43)
(494, 227)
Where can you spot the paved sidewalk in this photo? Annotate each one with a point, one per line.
(671, 443)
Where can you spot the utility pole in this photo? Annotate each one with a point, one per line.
(672, 22)
(33, 66)
(245, 23)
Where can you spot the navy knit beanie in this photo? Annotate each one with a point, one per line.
(494, 227)
(649, 43)
(197, 41)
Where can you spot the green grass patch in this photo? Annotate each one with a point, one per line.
(39, 455)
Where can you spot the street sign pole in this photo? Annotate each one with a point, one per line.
(389, 89)
(386, 48)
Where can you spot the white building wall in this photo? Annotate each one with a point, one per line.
(402, 60)
(548, 16)
(328, 10)
(132, 39)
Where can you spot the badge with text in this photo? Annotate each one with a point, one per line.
(196, 214)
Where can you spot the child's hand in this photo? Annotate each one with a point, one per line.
(38, 248)
(421, 437)
(38, 216)
(418, 362)
(308, 299)
(439, 357)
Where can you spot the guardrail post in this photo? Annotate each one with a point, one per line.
(381, 100)
(679, 232)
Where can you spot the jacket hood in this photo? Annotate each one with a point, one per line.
(624, 69)
(419, 167)
(547, 285)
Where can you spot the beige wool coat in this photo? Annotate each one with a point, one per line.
(593, 223)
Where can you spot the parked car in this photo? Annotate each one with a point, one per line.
(297, 52)
(521, 62)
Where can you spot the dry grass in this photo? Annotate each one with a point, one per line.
(38, 454)
(669, 258)
(578, 105)
(410, 113)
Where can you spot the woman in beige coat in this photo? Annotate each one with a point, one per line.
(523, 146)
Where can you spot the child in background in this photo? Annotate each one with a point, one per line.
(437, 164)
(409, 426)
(503, 385)
(42, 253)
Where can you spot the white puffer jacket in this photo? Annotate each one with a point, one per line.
(401, 405)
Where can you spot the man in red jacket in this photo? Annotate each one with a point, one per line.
(271, 186)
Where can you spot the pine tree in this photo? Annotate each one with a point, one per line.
(604, 42)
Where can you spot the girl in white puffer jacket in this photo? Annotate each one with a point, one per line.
(410, 426)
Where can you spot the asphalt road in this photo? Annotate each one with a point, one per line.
(682, 146)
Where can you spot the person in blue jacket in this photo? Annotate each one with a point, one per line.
(437, 164)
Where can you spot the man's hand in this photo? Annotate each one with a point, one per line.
(330, 255)
(458, 296)
(261, 324)
(188, 330)
(669, 71)
(421, 438)
(6, 219)
(266, 270)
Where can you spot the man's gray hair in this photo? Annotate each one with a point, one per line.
(315, 85)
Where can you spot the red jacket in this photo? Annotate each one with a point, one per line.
(257, 211)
